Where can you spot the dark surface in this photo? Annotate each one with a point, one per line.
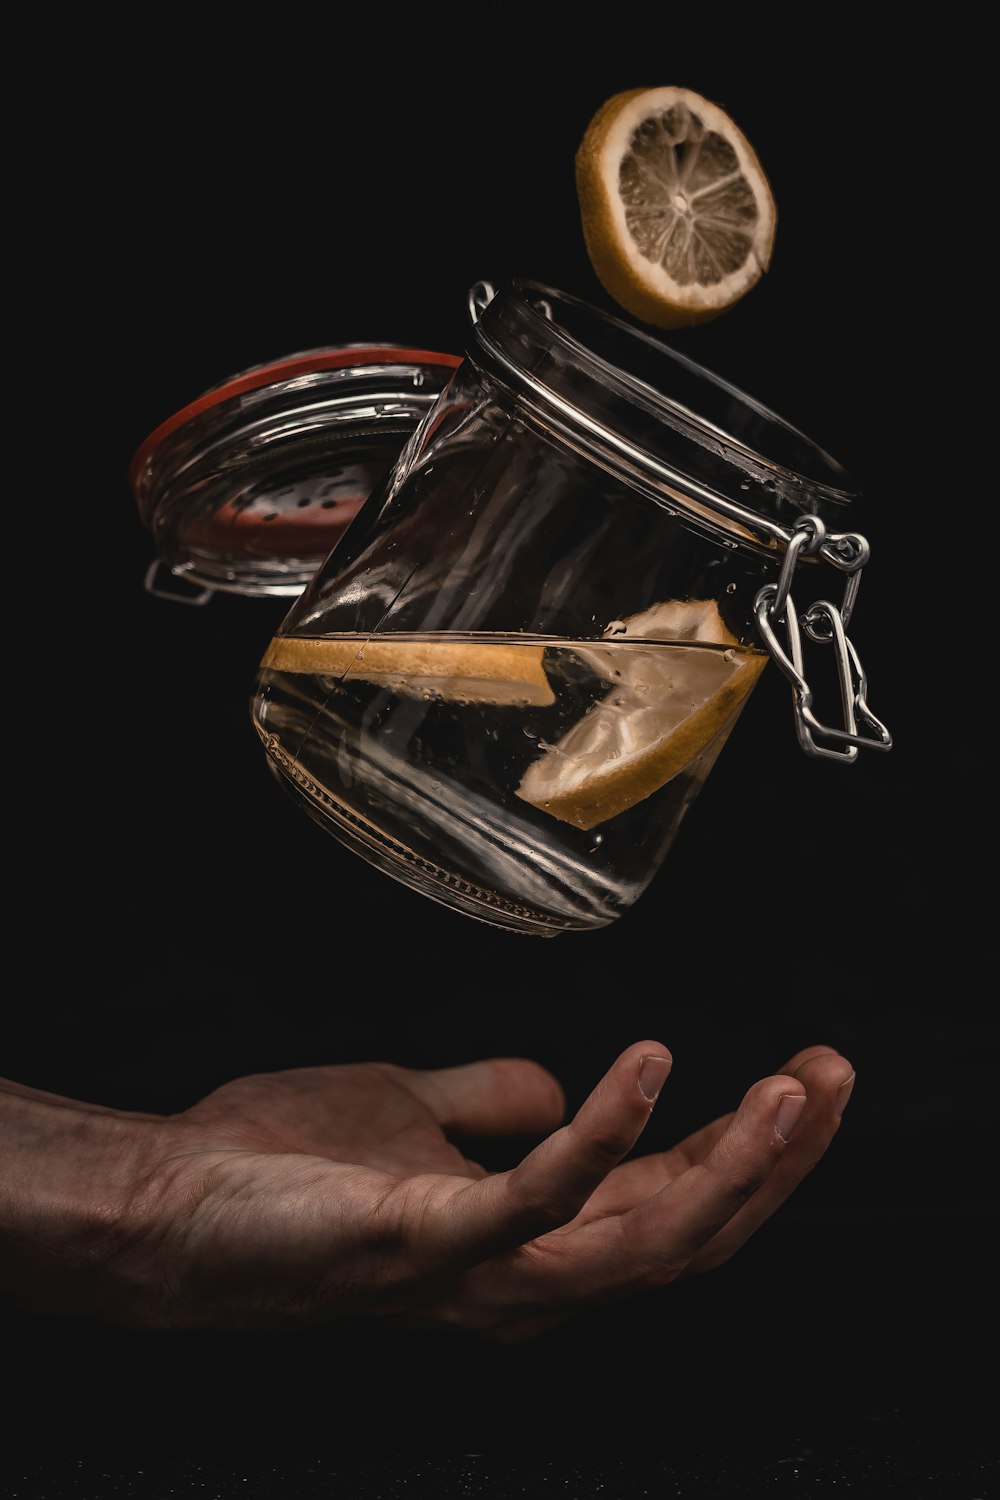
(194, 194)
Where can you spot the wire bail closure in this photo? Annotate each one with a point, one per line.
(825, 624)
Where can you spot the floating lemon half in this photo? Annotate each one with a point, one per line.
(666, 705)
(678, 215)
(469, 671)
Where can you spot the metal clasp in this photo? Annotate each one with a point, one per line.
(164, 584)
(825, 624)
(481, 294)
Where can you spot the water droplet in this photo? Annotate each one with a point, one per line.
(730, 588)
(418, 377)
(729, 655)
(745, 485)
(616, 627)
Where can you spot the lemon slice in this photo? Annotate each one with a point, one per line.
(665, 707)
(467, 671)
(678, 216)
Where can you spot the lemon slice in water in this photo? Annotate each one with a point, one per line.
(469, 671)
(677, 682)
(678, 215)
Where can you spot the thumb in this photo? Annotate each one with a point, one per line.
(498, 1096)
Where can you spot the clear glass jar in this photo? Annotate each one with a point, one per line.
(246, 489)
(512, 676)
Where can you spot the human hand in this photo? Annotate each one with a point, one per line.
(342, 1191)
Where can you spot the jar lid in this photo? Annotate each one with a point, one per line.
(248, 487)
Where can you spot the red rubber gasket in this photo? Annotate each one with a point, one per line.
(283, 369)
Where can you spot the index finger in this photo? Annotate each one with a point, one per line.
(548, 1188)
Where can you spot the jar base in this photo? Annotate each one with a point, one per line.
(363, 838)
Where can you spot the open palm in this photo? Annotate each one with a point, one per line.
(342, 1191)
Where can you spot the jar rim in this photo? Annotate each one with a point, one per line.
(690, 440)
(835, 484)
(273, 372)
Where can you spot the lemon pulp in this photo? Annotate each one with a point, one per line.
(665, 707)
(677, 212)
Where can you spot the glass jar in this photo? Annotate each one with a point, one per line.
(512, 676)
(248, 488)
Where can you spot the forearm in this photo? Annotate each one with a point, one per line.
(68, 1177)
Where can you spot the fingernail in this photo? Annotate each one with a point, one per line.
(788, 1114)
(843, 1094)
(652, 1076)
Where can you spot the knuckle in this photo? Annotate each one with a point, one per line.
(739, 1175)
(646, 1269)
(657, 1272)
(604, 1146)
(540, 1212)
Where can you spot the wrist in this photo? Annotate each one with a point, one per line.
(67, 1196)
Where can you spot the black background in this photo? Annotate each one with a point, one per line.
(194, 190)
